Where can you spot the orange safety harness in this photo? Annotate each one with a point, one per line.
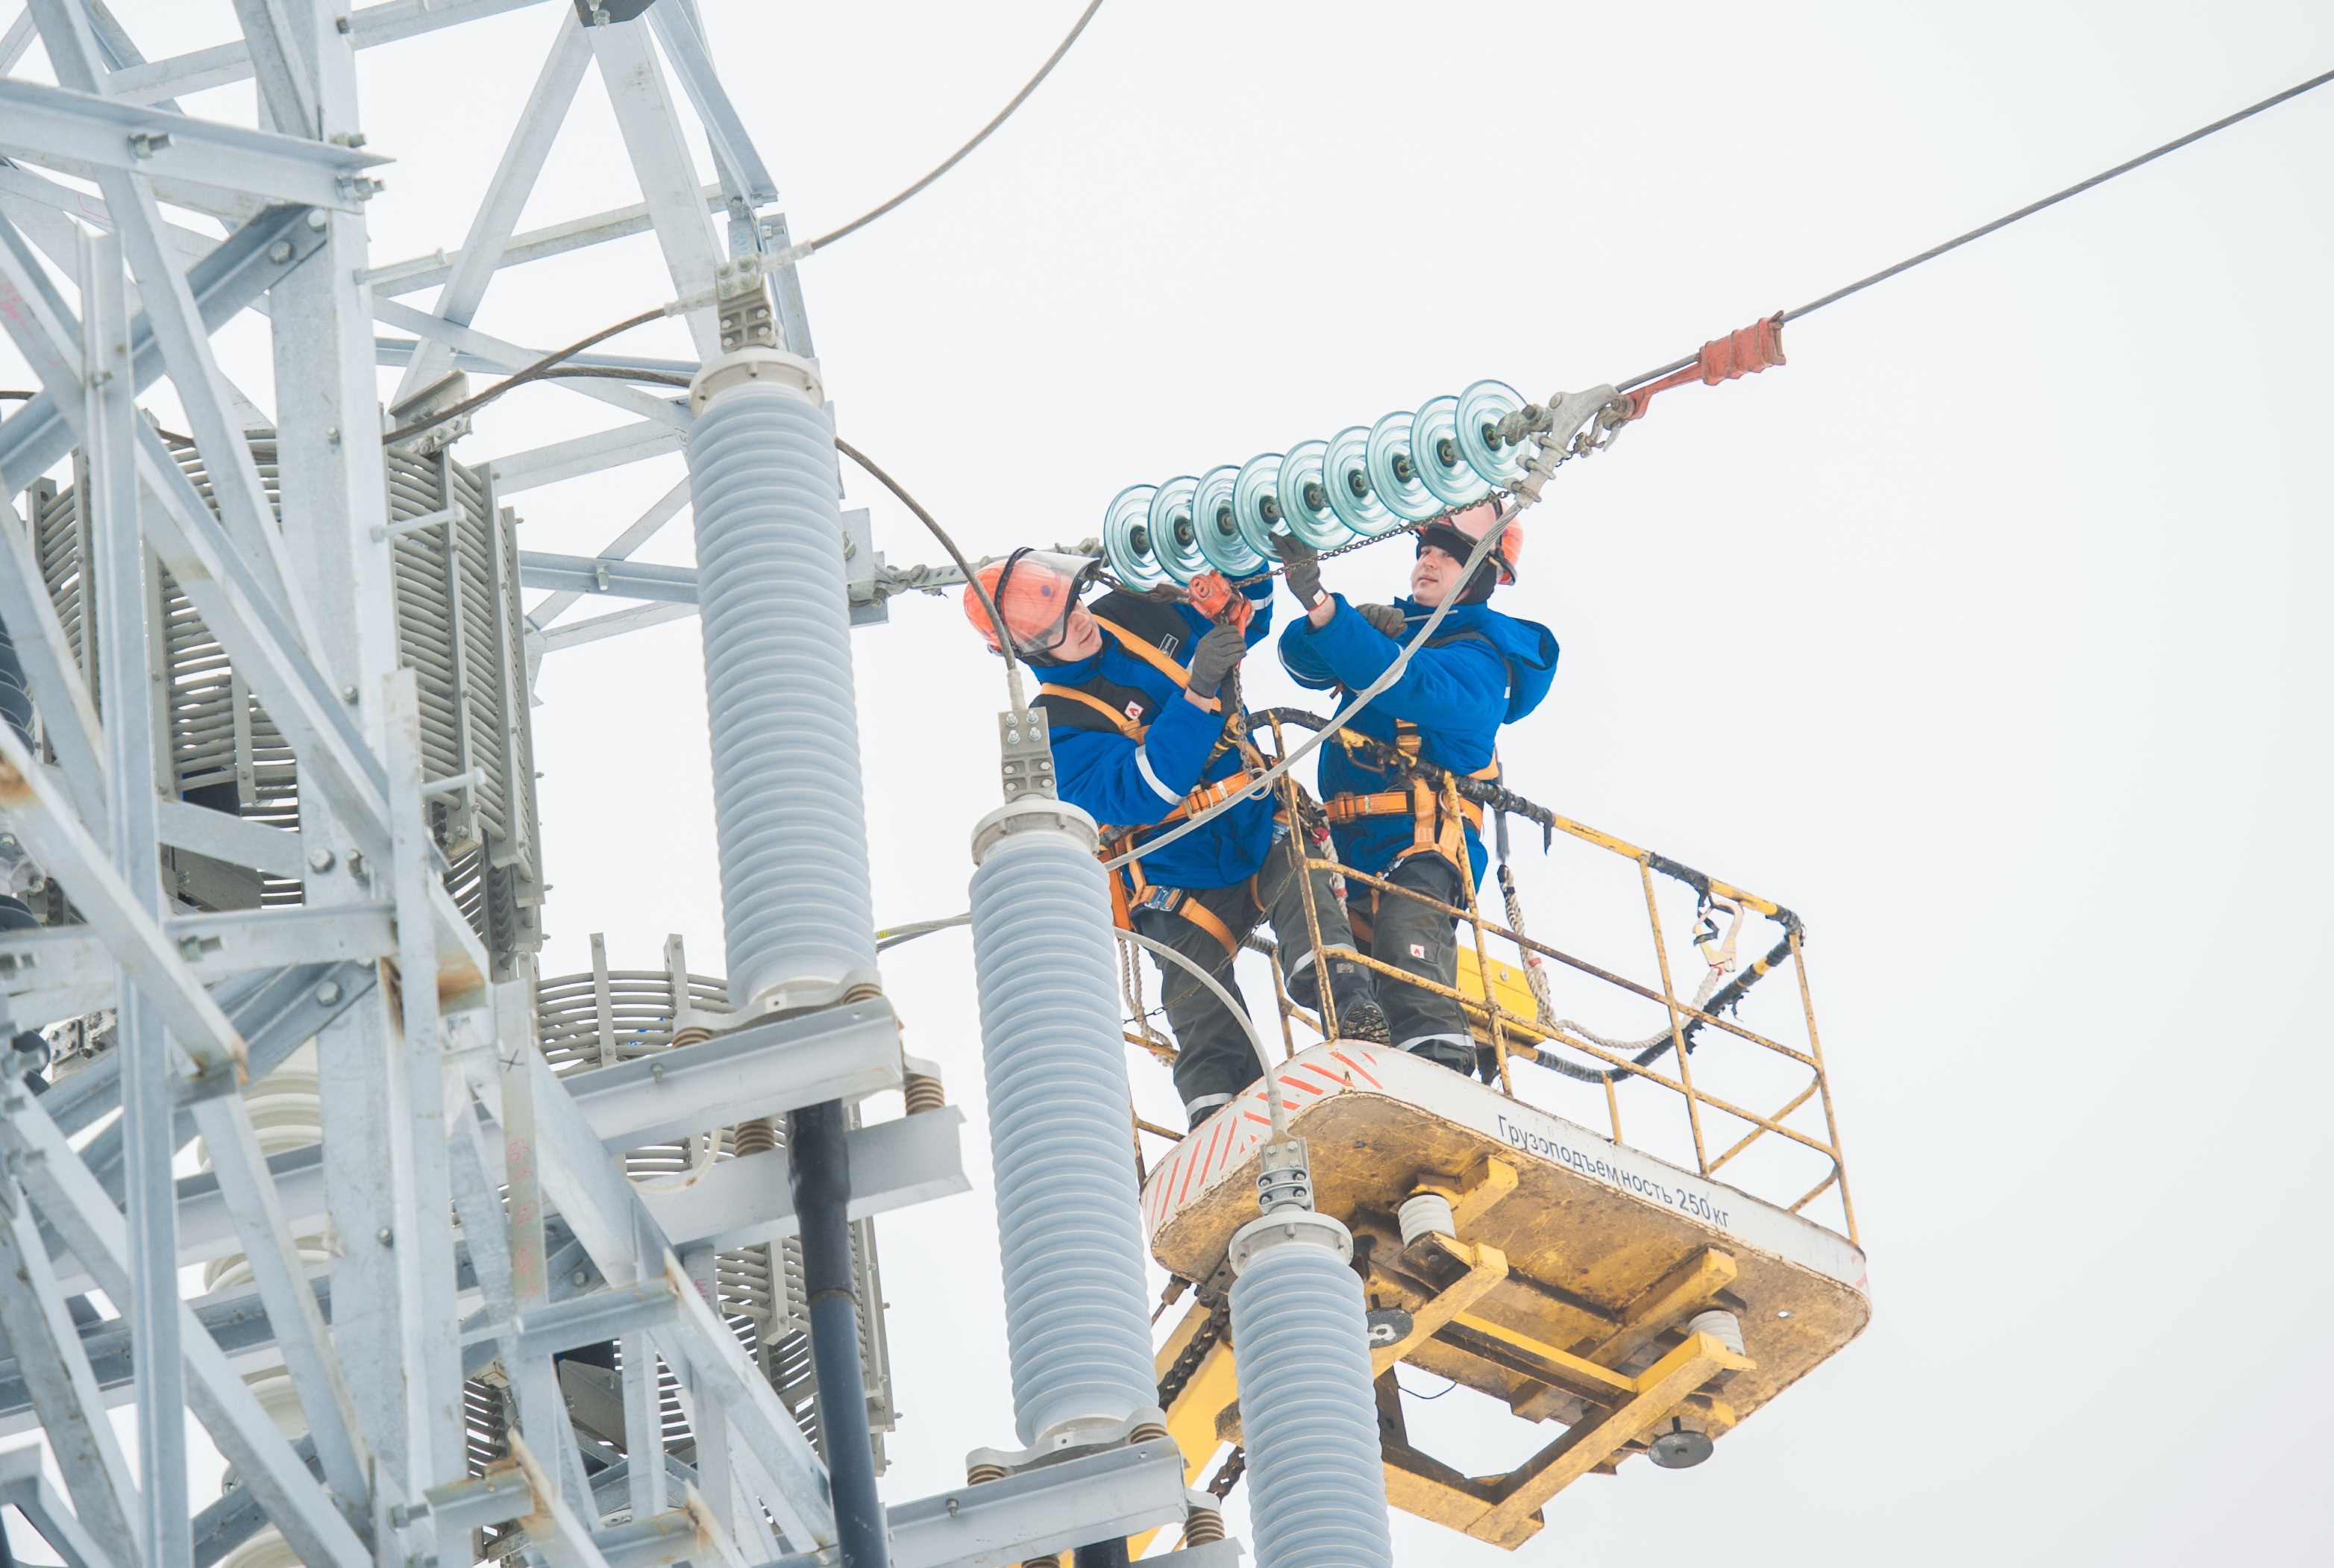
(1436, 829)
(1133, 890)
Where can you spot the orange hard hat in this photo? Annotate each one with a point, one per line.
(1035, 591)
(1458, 534)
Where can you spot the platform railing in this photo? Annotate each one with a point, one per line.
(1691, 1066)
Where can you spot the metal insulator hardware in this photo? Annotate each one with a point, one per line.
(744, 315)
(924, 1092)
(1425, 1214)
(1026, 754)
(1286, 1179)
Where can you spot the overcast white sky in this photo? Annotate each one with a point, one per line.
(1988, 634)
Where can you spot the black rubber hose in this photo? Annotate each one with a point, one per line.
(821, 1175)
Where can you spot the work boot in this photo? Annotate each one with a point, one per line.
(1362, 1020)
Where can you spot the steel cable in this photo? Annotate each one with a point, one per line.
(1934, 251)
(797, 253)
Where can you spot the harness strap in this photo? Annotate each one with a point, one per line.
(1199, 915)
(1126, 726)
(1152, 655)
(1435, 829)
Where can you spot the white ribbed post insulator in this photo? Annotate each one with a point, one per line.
(790, 810)
(1068, 1207)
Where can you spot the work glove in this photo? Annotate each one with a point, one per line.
(1386, 618)
(1304, 569)
(1217, 656)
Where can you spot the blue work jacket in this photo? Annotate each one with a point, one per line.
(1481, 671)
(1121, 782)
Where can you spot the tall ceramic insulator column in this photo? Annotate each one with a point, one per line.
(789, 810)
(1309, 1423)
(787, 803)
(1068, 1207)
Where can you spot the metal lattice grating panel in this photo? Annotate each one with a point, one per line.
(459, 629)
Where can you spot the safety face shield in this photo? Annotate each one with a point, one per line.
(1037, 592)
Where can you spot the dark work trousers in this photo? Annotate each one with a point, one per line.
(1214, 1057)
(1410, 936)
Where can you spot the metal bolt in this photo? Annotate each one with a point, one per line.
(320, 859)
(385, 1237)
(951, 1507)
(316, 218)
(656, 1070)
(578, 1277)
(334, 435)
(280, 252)
(348, 694)
(328, 993)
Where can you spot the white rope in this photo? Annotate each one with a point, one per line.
(1240, 1016)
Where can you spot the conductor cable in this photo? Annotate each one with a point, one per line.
(1004, 640)
(796, 252)
(2028, 210)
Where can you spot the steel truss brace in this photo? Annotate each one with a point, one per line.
(24, 1488)
(627, 1246)
(666, 507)
(233, 276)
(508, 357)
(88, 134)
(490, 230)
(418, 273)
(68, 1195)
(367, 26)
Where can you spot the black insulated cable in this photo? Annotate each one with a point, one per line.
(971, 580)
(819, 1170)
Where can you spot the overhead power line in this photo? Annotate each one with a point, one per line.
(795, 253)
(1934, 251)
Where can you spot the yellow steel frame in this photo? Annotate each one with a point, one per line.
(1626, 1408)
(1494, 1006)
(1622, 1409)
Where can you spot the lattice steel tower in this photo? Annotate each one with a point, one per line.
(577, 1269)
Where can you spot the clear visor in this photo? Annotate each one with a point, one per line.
(1036, 593)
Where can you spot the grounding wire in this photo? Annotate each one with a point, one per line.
(971, 580)
(1240, 1013)
(795, 253)
(2007, 218)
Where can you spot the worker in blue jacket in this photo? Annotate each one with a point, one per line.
(1479, 671)
(1138, 725)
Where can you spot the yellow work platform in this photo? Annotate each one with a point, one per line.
(1564, 1290)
